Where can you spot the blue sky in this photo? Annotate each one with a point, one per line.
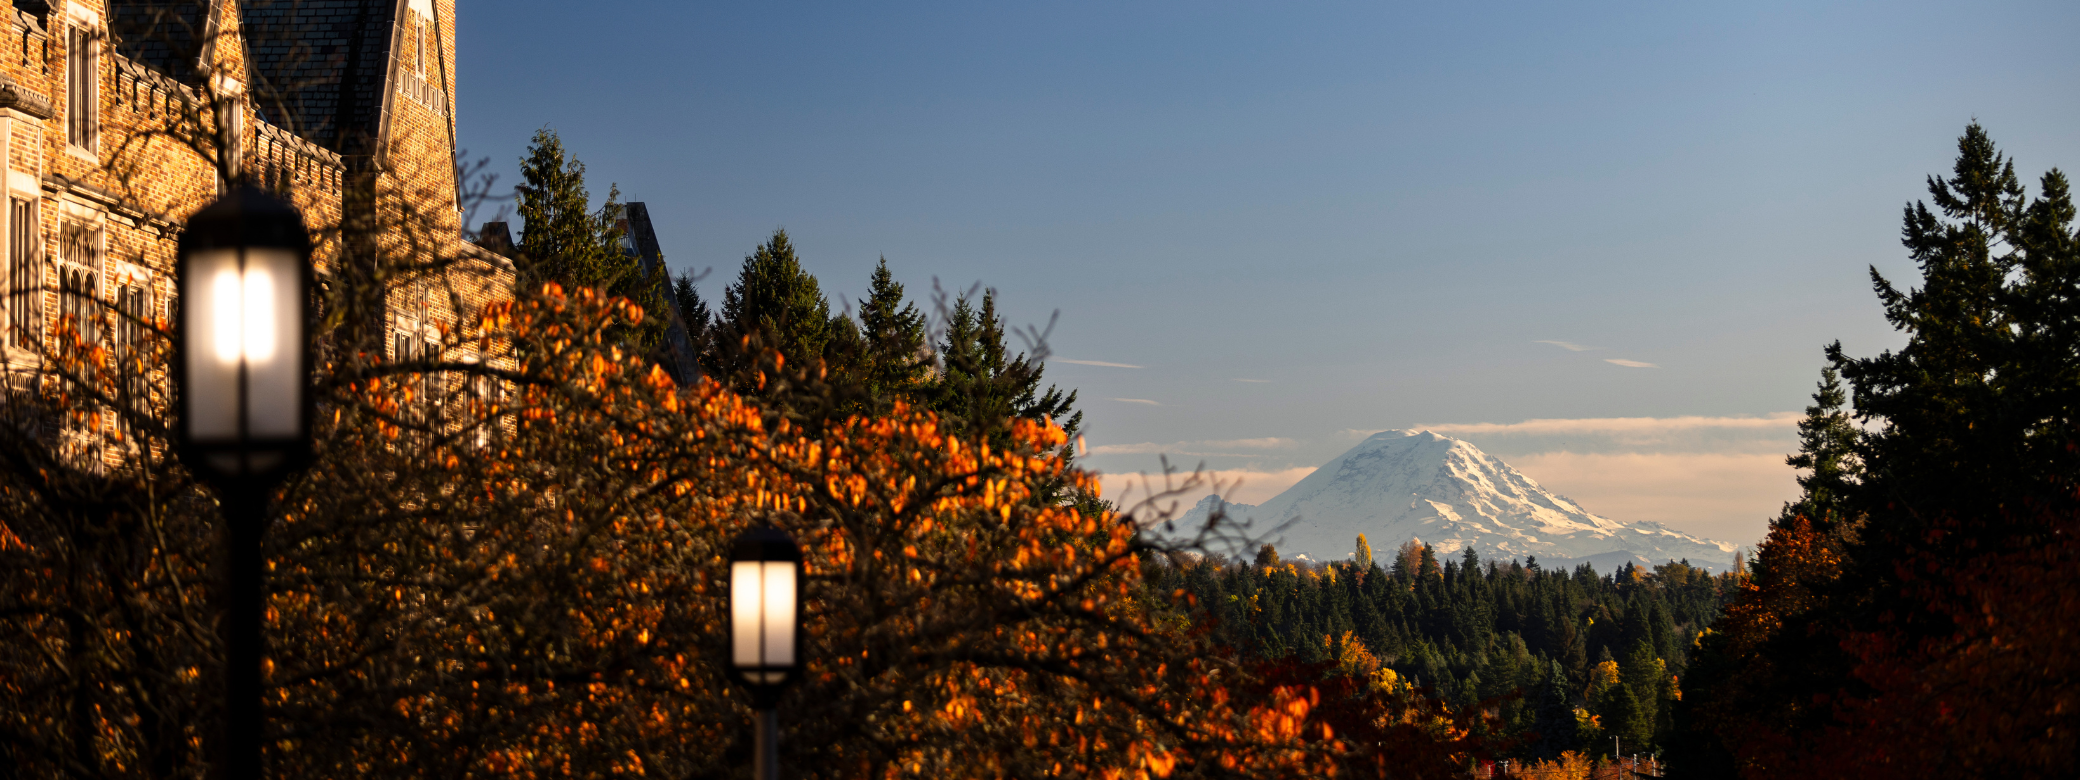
(1390, 215)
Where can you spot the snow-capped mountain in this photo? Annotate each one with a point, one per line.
(1399, 485)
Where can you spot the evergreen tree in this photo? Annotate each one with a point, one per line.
(1827, 449)
(895, 361)
(1267, 557)
(983, 386)
(694, 311)
(563, 240)
(774, 307)
(1643, 675)
(1968, 449)
(1554, 723)
(1982, 400)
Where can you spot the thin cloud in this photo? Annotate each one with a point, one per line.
(1629, 363)
(1238, 486)
(1566, 345)
(1136, 401)
(1255, 381)
(1618, 425)
(1266, 443)
(1725, 496)
(1196, 448)
(1094, 363)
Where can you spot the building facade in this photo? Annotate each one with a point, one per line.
(118, 118)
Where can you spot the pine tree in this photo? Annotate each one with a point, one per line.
(1427, 565)
(694, 311)
(981, 385)
(1827, 449)
(1267, 557)
(1644, 679)
(1554, 721)
(1984, 400)
(893, 339)
(561, 239)
(775, 306)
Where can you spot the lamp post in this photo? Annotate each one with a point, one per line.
(242, 368)
(765, 627)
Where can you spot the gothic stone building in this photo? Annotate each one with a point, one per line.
(345, 106)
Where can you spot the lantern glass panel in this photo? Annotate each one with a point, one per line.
(275, 374)
(212, 323)
(744, 585)
(779, 609)
(244, 313)
(762, 617)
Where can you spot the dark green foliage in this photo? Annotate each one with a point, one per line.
(1515, 637)
(1620, 710)
(775, 307)
(699, 319)
(1982, 400)
(777, 338)
(1428, 566)
(894, 359)
(1553, 721)
(1267, 556)
(1827, 451)
(1966, 443)
(982, 384)
(1644, 681)
(563, 240)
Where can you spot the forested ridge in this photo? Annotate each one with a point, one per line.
(1510, 637)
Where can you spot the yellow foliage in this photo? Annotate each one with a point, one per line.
(1570, 766)
(1602, 677)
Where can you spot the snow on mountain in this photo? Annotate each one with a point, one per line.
(1401, 485)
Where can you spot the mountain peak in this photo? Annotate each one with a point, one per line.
(1399, 483)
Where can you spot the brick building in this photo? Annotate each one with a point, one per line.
(118, 118)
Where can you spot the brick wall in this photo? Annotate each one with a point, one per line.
(154, 163)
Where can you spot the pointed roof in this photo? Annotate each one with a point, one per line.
(317, 68)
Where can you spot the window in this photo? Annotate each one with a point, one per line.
(417, 57)
(413, 342)
(24, 277)
(132, 317)
(82, 73)
(79, 278)
(231, 119)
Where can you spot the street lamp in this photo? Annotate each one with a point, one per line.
(765, 628)
(242, 368)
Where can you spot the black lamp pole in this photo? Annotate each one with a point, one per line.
(765, 629)
(242, 366)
